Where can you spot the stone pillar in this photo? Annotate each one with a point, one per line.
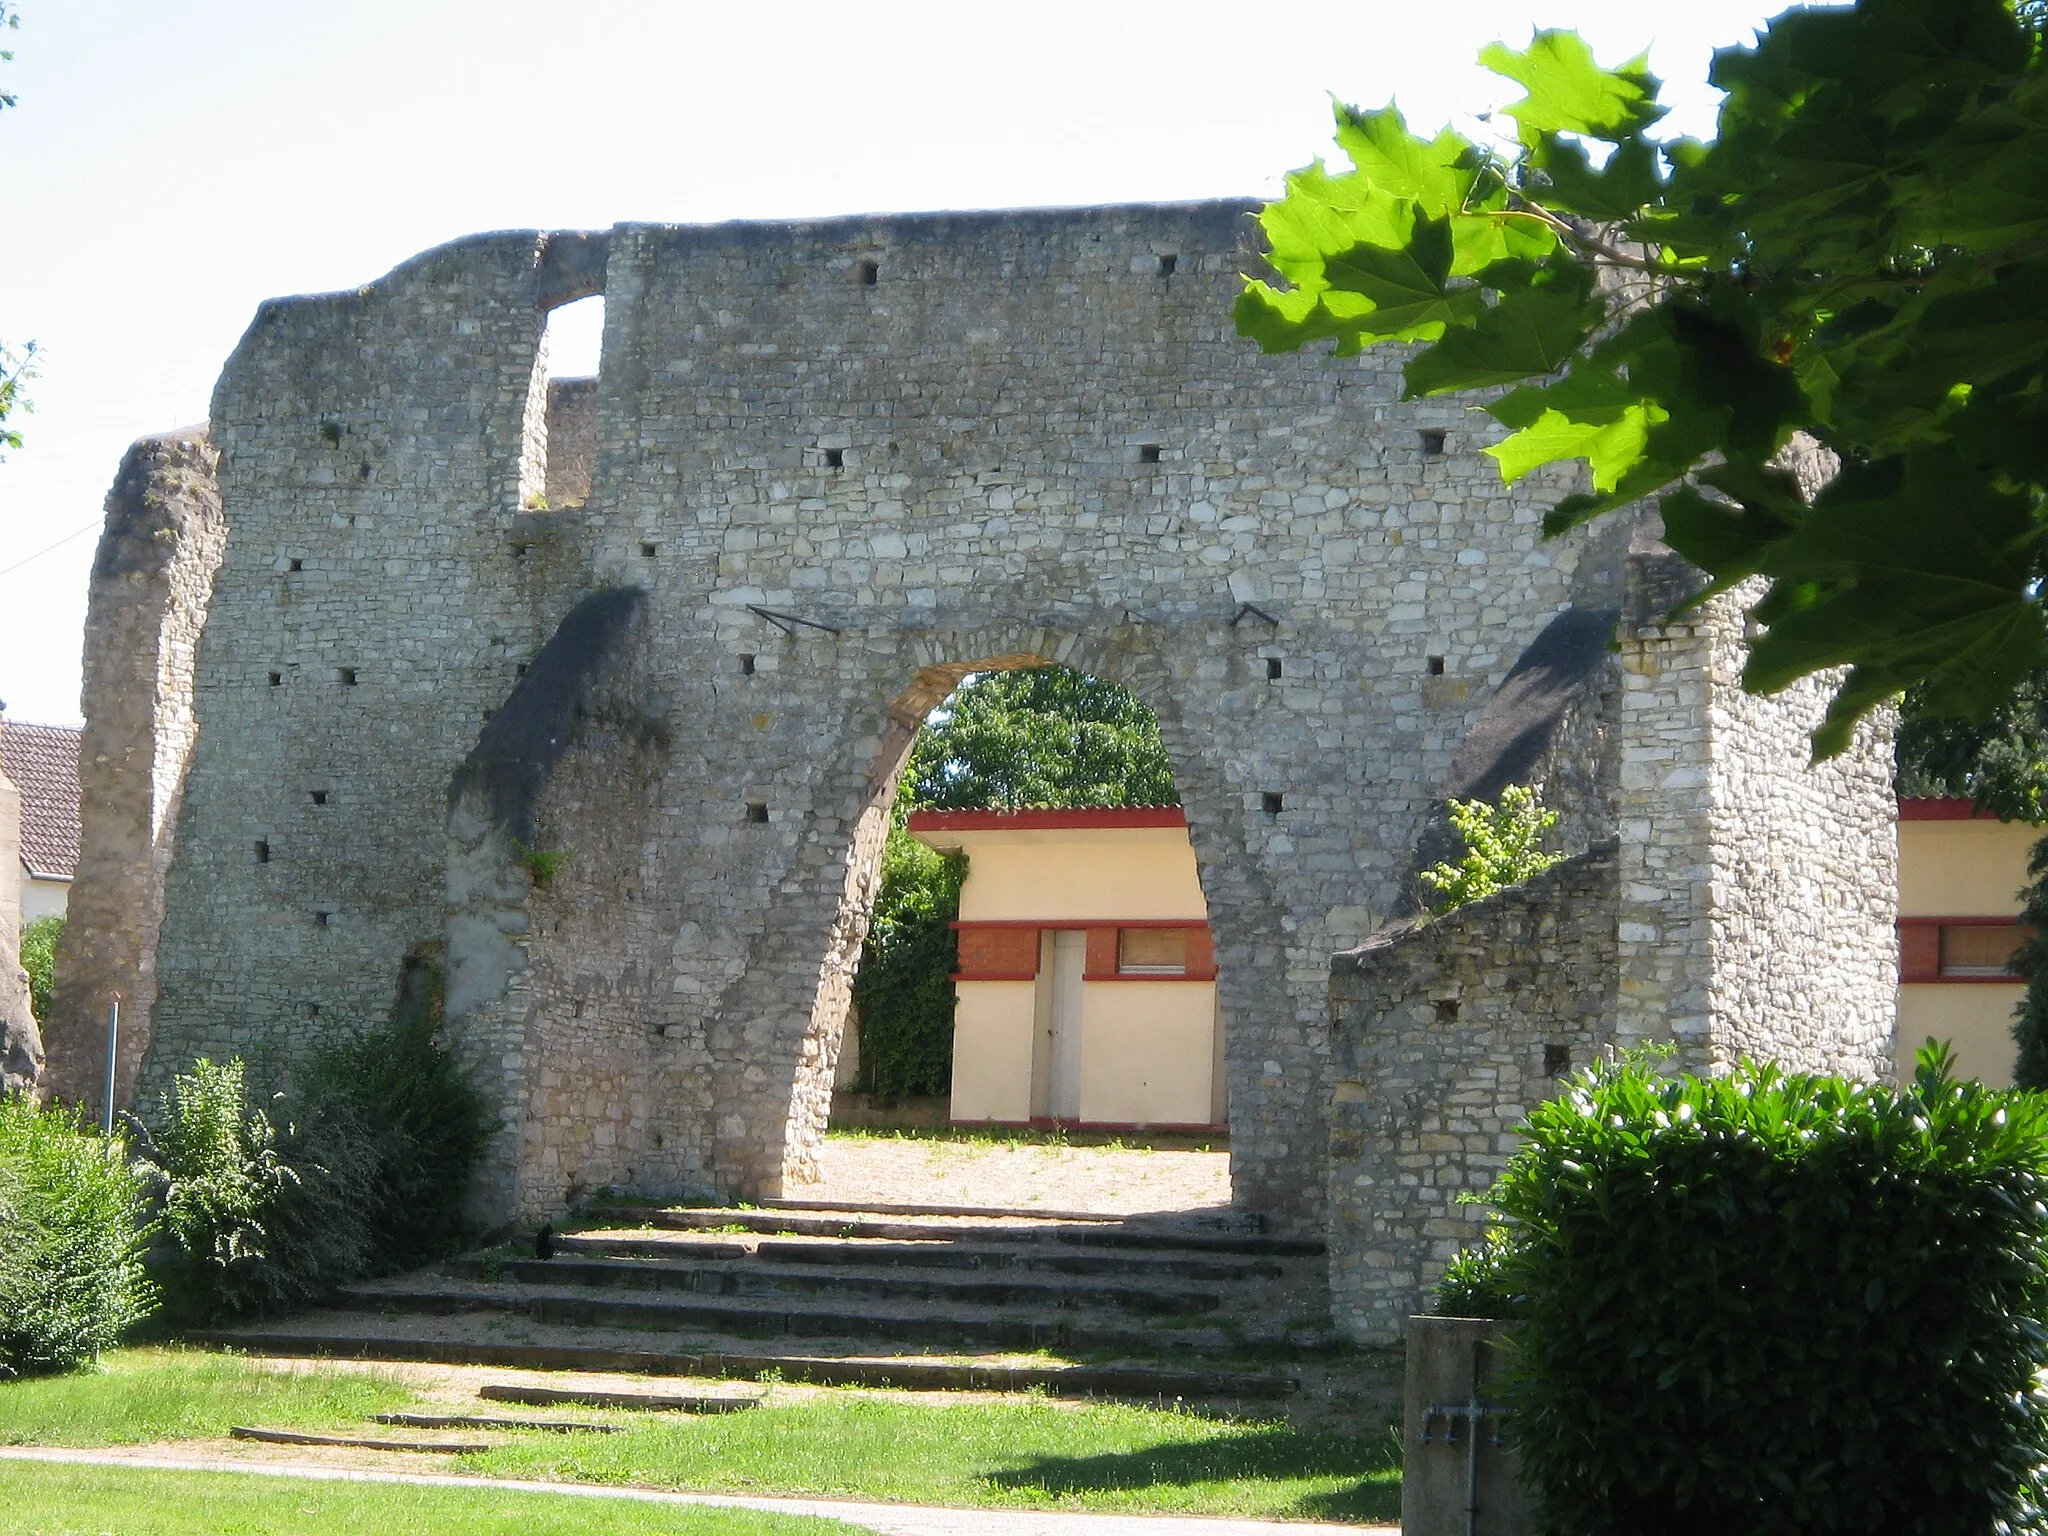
(1759, 890)
(152, 582)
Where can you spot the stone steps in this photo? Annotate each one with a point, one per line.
(945, 1325)
(1136, 1383)
(926, 1253)
(895, 1283)
(1107, 1232)
(929, 1299)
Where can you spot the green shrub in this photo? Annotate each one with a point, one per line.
(73, 1225)
(1503, 847)
(1475, 1283)
(1773, 1304)
(369, 1173)
(904, 988)
(245, 1231)
(396, 1099)
(39, 959)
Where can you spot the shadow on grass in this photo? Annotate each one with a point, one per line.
(1367, 1471)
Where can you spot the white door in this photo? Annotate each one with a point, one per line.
(1069, 961)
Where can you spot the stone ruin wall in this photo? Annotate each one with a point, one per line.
(1746, 906)
(1028, 436)
(152, 578)
(461, 603)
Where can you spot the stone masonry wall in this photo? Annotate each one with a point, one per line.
(951, 440)
(1759, 891)
(152, 580)
(1445, 1037)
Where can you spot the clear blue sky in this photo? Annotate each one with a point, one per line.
(169, 166)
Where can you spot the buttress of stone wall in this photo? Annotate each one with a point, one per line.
(152, 584)
(1759, 890)
(1446, 1035)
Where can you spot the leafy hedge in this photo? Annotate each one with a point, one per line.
(39, 959)
(73, 1225)
(363, 1169)
(904, 988)
(1772, 1304)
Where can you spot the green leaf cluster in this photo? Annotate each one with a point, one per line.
(904, 987)
(1038, 738)
(1860, 255)
(1503, 847)
(73, 1225)
(1778, 1304)
(39, 959)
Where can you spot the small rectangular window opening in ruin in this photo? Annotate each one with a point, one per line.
(649, 549)
(319, 796)
(1432, 441)
(868, 272)
(323, 919)
(262, 850)
(746, 666)
(1272, 802)
(1557, 1060)
(1149, 454)
(835, 458)
(277, 679)
(1447, 1010)
(1167, 263)
(757, 812)
(298, 564)
(346, 676)
(1436, 666)
(1273, 669)
(520, 670)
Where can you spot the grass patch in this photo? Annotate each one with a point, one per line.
(1022, 1452)
(44, 1500)
(136, 1396)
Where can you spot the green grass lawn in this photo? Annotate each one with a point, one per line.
(1016, 1452)
(42, 1500)
(141, 1395)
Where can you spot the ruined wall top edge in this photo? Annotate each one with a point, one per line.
(1215, 218)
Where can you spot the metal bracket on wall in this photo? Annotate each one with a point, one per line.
(1256, 612)
(785, 621)
(1473, 1413)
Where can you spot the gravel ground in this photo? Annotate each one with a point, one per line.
(1118, 1181)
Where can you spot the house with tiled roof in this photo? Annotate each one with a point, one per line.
(42, 761)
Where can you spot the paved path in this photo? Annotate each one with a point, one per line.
(1119, 1181)
(888, 1519)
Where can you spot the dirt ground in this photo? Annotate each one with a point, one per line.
(1024, 1175)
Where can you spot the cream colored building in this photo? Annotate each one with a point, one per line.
(1959, 879)
(1087, 982)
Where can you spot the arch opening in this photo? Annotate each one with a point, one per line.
(560, 433)
(1026, 945)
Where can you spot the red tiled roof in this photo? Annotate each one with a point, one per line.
(42, 760)
(1090, 817)
(1943, 809)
